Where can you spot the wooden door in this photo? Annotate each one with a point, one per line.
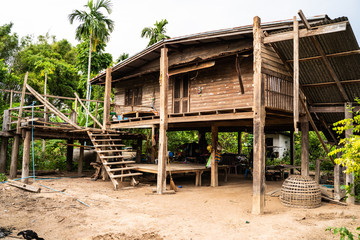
(181, 94)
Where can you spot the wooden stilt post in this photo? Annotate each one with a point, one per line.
(14, 157)
(214, 165)
(304, 147)
(258, 123)
(317, 171)
(69, 154)
(153, 143)
(26, 158)
(337, 181)
(202, 140)
(3, 154)
(239, 143)
(296, 73)
(81, 158)
(349, 176)
(292, 151)
(106, 118)
(162, 155)
(138, 150)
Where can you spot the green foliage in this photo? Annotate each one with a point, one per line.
(3, 177)
(122, 57)
(178, 138)
(156, 33)
(344, 233)
(54, 156)
(9, 43)
(56, 59)
(94, 25)
(349, 148)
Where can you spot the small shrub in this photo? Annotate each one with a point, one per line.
(344, 233)
(3, 178)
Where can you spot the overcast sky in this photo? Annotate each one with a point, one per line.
(37, 17)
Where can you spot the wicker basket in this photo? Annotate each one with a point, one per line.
(300, 192)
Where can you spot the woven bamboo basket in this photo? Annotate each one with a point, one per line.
(300, 192)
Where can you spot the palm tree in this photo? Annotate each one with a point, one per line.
(94, 26)
(157, 33)
(122, 57)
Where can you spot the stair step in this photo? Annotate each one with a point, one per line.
(110, 157)
(109, 145)
(120, 169)
(110, 151)
(114, 163)
(106, 140)
(126, 175)
(104, 135)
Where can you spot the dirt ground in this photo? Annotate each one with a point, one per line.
(192, 213)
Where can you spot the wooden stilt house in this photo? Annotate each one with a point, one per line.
(284, 75)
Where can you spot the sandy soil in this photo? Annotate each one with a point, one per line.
(192, 213)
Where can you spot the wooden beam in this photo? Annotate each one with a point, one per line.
(325, 29)
(349, 176)
(304, 20)
(3, 154)
(51, 107)
(302, 101)
(339, 54)
(258, 123)
(162, 153)
(191, 68)
(239, 143)
(330, 68)
(106, 117)
(304, 146)
(88, 112)
(214, 165)
(24, 186)
(296, 73)
(317, 171)
(22, 103)
(26, 158)
(14, 156)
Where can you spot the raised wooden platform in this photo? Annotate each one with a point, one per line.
(177, 168)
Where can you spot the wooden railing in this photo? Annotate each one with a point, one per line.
(278, 93)
(67, 106)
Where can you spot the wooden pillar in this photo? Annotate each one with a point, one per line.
(214, 165)
(317, 171)
(296, 73)
(258, 123)
(239, 143)
(106, 118)
(81, 158)
(26, 158)
(69, 154)
(138, 150)
(304, 147)
(202, 140)
(21, 104)
(349, 176)
(3, 154)
(14, 156)
(292, 151)
(337, 181)
(153, 143)
(162, 153)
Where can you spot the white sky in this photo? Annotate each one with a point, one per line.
(37, 17)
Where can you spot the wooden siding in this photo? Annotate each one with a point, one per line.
(220, 88)
(278, 81)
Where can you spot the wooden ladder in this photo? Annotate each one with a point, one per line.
(108, 147)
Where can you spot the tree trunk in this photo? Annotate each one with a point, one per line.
(88, 81)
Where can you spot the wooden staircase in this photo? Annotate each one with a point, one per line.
(108, 147)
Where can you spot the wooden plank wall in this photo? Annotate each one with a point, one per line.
(278, 81)
(220, 88)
